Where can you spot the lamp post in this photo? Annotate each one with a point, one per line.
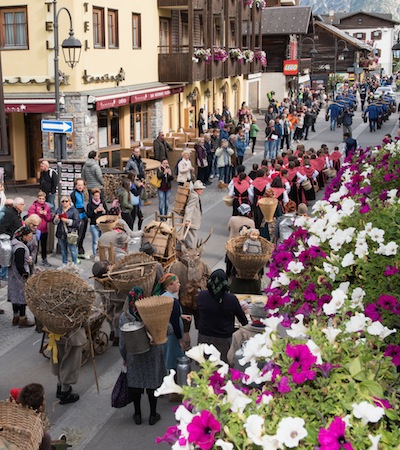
(72, 51)
(345, 50)
(313, 52)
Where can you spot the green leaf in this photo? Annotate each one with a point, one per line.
(356, 370)
(373, 387)
(391, 414)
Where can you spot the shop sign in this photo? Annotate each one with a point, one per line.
(30, 108)
(155, 95)
(112, 103)
(290, 67)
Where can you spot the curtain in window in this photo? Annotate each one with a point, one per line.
(15, 29)
(20, 29)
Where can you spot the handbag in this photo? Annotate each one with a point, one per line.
(202, 162)
(155, 181)
(72, 236)
(121, 395)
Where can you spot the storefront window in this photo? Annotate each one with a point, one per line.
(140, 113)
(108, 126)
(5, 149)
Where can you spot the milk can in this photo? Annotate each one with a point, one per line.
(182, 370)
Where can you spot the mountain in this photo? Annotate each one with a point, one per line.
(347, 6)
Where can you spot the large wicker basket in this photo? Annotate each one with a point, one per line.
(155, 312)
(248, 266)
(143, 275)
(61, 300)
(106, 222)
(268, 207)
(21, 426)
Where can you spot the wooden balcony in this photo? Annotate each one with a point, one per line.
(181, 4)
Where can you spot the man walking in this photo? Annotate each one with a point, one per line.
(161, 147)
(91, 174)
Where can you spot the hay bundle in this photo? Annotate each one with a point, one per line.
(59, 299)
(135, 269)
(248, 265)
(20, 426)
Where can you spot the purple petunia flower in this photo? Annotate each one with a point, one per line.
(237, 375)
(283, 259)
(383, 195)
(389, 177)
(309, 293)
(293, 285)
(390, 270)
(365, 208)
(382, 402)
(326, 368)
(202, 430)
(371, 311)
(393, 351)
(303, 360)
(283, 385)
(387, 302)
(217, 383)
(334, 438)
(170, 436)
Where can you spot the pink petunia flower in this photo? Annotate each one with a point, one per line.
(382, 402)
(387, 302)
(217, 383)
(334, 438)
(390, 270)
(393, 351)
(170, 436)
(371, 311)
(202, 430)
(283, 385)
(303, 360)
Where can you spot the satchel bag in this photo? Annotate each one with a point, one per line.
(72, 236)
(155, 181)
(121, 395)
(202, 162)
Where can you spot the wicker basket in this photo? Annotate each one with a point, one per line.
(307, 186)
(228, 200)
(155, 312)
(106, 222)
(268, 207)
(144, 276)
(248, 266)
(21, 426)
(61, 300)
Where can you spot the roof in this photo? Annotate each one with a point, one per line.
(338, 17)
(343, 35)
(286, 20)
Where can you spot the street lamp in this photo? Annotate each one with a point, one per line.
(343, 55)
(71, 48)
(313, 52)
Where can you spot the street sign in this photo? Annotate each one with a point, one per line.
(57, 126)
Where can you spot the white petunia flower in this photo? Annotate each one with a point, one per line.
(375, 441)
(362, 249)
(331, 270)
(258, 346)
(224, 445)
(367, 412)
(301, 221)
(314, 240)
(376, 234)
(315, 350)
(290, 431)
(183, 415)
(283, 279)
(266, 399)
(236, 398)
(272, 322)
(254, 374)
(348, 206)
(270, 442)
(295, 267)
(348, 260)
(368, 227)
(215, 355)
(254, 427)
(356, 323)
(338, 298)
(298, 330)
(197, 353)
(387, 250)
(331, 333)
(392, 196)
(344, 286)
(357, 298)
(168, 386)
(377, 329)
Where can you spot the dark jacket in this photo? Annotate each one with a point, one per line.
(72, 225)
(48, 181)
(165, 179)
(11, 222)
(161, 149)
(92, 214)
(137, 165)
(91, 173)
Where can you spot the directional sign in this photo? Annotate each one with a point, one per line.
(57, 126)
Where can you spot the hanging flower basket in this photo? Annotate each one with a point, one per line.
(259, 3)
(236, 54)
(261, 56)
(248, 56)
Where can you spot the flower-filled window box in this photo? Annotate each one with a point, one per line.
(261, 56)
(236, 54)
(248, 56)
(202, 54)
(259, 3)
(220, 54)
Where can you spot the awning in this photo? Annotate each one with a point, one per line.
(25, 105)
(134, 96)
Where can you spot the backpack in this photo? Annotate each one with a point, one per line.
(176, 170)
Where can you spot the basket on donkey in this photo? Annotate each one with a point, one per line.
(248, 265)
(61, 300)
(135, 269)
(155, 312)
(20, 426)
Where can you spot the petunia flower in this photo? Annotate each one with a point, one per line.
(377, 329)
(235, 397)
(348, 260)
(315, 350)
(283, 385)
(375, 441)
(295, 267)
(291, 431)
(197, 353)
(390, 249)
(393, 351)
(170, 436)
(387, 302)
(254, 427)
(382, 402)
(367, 412)
(390, 270)
(273, 322)
(326, 368)
(298, 330)
(216, 381)
(371, 311)
(356, 323)
(168, 386)
(202, 430)
(224, 445)
(334, 438)
(331, 333)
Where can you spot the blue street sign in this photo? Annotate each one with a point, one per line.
(57, 126)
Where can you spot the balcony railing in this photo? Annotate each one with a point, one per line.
(181, 4)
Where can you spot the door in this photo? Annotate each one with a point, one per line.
(33, 143)
(164, 36)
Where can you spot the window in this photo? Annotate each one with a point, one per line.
(14, 28)
(232, 34)
(361, 36)
(376, 35)
(140, 122)
(108, 127)
(112, 16)
(98, 28)
(136, 31)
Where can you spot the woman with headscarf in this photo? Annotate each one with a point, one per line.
(146, 370)
(18, 274)
(169, 286)
(33, 222)
(217, 309)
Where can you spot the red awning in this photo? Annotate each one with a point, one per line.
(155, 94)
(111, 103)
(29, 106)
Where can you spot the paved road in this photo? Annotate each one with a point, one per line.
(91, 423)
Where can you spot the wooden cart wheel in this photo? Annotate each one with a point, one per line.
(100, 342)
